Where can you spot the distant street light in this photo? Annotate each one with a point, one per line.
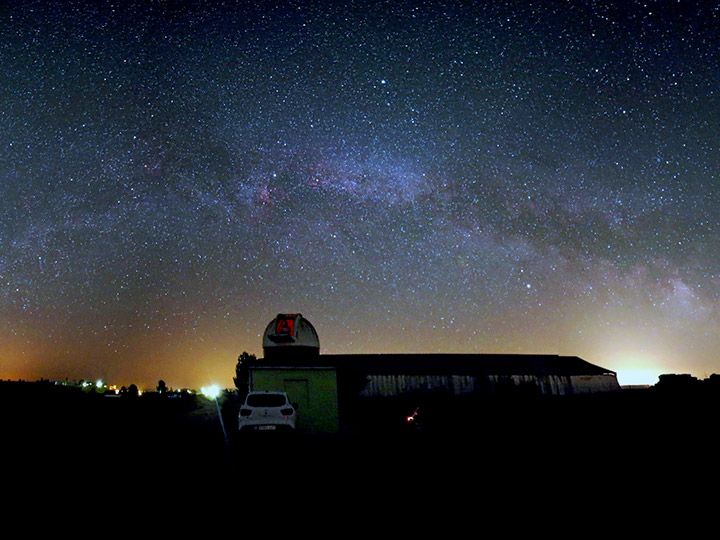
(212, 392)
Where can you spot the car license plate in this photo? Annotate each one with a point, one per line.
(266, 428)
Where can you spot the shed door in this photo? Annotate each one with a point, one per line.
(298, 392)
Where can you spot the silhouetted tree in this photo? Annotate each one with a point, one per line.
(132, 391)
(161, 387)
(242, 374)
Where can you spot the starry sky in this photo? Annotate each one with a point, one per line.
(505, 176)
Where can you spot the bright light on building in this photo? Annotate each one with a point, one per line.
(99, 383)
(212, 391)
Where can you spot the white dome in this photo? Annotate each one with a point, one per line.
(290, 334)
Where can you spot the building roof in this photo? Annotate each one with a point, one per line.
(444, 364)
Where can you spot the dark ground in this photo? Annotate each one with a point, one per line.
(618, 450)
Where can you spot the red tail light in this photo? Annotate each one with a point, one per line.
(245, 412)
(287, 412)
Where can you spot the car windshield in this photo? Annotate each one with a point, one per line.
(266, 400)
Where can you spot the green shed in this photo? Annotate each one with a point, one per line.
(312, 389)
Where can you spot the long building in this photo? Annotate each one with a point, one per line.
(324, 384)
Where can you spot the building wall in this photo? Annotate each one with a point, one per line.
(314, 390)
(589, 384)
(395, 385)
(552, 385)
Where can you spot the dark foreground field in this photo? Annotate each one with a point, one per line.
(607, 448)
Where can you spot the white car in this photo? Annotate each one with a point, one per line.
(267, 411)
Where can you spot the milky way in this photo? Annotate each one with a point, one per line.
(439, 177)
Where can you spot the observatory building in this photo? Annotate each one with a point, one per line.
(325, 385)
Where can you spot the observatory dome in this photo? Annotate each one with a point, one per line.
(290, 335)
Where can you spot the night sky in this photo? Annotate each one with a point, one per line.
(533, 177)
